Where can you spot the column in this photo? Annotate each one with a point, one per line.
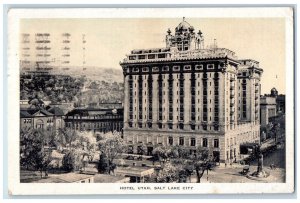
(155, 100)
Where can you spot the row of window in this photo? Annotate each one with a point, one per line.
(27, 120)
(173, 126)
(192, 142)
(181, 115)
(130, 97)
(140, 82)
(177, 84)
(95, 117)
(166, 68)
(193, 99)
(205, 75)
(50, 120)
(170, 97)
(95, 125)
(160, 96)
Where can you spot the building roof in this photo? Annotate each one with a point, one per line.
(25, 114)
(104, 178)
(64, 178)
(184, 25)
(73, 177)
(56, 111)
(177, 51)
(137, 171)
(94, 111)
(50, 180)
(43, 111)
(32, 112)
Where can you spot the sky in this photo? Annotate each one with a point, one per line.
(109, 40)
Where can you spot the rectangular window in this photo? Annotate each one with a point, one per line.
(199, 67)
(216, 143)
(132, 57)
(210, 66)
(181, 141)
(151, 56)
(176, 68)
(161, 55)
(204, 142)
(170, 140)
(187, 67)
(193, 142)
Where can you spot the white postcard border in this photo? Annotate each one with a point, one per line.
(17, 188)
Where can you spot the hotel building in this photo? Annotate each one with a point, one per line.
(188, 95)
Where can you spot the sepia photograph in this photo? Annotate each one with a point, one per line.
(173, 101)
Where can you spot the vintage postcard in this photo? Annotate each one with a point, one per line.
(151, 101)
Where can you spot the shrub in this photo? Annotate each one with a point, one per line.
(68, 162)
(103, 165)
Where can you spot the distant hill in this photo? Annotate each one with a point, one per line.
(91, 72)
(92, 85)
(94, 73)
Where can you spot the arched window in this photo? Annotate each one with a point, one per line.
(39, 123)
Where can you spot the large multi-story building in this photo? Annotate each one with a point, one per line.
(188, 95)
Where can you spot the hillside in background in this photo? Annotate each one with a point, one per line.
(87, 87)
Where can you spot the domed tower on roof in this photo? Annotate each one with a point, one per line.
(185, 38)
(183, 26)
(274, 92)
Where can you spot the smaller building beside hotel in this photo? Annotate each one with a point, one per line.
(95, 119)
(41, 118)
(267, 110)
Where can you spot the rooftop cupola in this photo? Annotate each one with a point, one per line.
(185, 38)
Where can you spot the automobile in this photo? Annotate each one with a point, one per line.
(245, 170)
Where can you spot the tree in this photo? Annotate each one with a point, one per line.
(202, 163)
(68, 162)
(111, 145)
(167, 174)
(160, 154)
(103, 165)
(141, 150)
(88, 143)
(183, 152)
(73, 160)
(172, 152)
(269, 131)
(275, 129)
(42, 160)
(66, 137)
(33, 154)
(200, 168)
